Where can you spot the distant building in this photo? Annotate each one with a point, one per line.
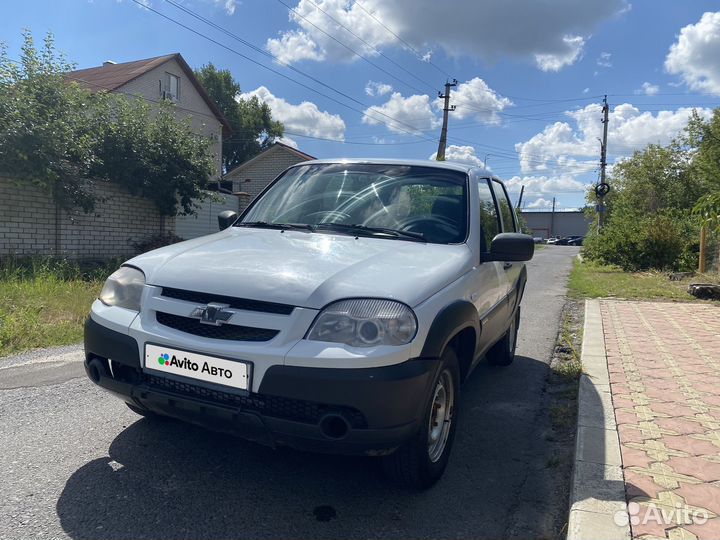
(547, 224)
(252, 176)
(166, 77)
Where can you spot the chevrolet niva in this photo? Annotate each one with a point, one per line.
(339, 313)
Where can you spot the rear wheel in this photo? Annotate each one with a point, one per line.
(503, 352)
(420, 462)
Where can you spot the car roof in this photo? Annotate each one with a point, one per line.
(448, 165)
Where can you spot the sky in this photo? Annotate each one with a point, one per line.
(360, 78)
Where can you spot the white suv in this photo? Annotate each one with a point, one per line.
(339, 313)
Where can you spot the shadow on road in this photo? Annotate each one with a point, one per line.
(166, 479)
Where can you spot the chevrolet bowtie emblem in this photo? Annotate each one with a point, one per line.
(213, 314)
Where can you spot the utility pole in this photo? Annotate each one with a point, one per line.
(522, 190)
(602, 189)
(552, 220)
(446, 109)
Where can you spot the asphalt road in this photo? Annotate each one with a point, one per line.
(75, 462)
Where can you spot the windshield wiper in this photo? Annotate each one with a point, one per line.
(364, 229)
(281, 226)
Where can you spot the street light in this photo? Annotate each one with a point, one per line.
(485, 160)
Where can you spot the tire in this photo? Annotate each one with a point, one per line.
(503, 352)
(420, 462)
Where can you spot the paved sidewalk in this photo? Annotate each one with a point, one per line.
(664, 369)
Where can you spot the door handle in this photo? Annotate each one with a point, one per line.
(507, 265)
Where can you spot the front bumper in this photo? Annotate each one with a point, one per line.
(347, 411)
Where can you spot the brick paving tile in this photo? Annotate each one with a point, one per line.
(701, 469)
(664, 367)
(647, 527)
(681, 426)
(633, 457)
(625, 417)
(622, 402)
(690, 445)
(709, 530)
(672, 409)
(640, 485)
(702, 496)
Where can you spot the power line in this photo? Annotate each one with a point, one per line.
(372, 46)
(344, 45)
(417, 53)
(412, 130)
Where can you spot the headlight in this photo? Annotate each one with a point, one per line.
(123, 288)
(365, 323)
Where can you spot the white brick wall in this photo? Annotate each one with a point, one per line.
(28, 223)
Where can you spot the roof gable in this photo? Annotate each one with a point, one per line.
(111, 77)
(275, 147)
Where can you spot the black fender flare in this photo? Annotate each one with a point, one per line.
(449, 321)
(519, 289)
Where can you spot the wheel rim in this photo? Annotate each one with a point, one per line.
(441, 409)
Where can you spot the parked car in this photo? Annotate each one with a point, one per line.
(552, 240)
(538, 240)
(576, 241)
(567, 241)
(340, 313)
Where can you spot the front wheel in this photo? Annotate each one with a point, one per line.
(420, 462)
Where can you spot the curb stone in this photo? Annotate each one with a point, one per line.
(597, 491)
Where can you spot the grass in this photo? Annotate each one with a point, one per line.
(46, 301)
(593, 280)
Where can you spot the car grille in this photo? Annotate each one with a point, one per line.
(279, 407)
(237, 303)
(224, 331)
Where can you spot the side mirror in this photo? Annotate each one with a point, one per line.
(226, 218)
(511, 247)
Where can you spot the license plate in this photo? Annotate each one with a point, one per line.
(197, 366)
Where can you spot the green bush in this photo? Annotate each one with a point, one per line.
(667, 240)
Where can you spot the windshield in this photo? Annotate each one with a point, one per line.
(394, 201)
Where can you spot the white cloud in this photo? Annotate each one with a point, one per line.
(585, 90)
(474, 98)
(539, 185)
(628, 129)
(648, 89)
(556, 61)
(288, 141)
(540, 203)
(228, 5)
(604, 60)
(373, 88)
(294, 46)
(552, 33)
(411, 113)
(695, 54)
(461, 154)
(304, 118)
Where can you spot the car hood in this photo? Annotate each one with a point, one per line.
(305, 269)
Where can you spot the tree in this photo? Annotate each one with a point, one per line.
(65, 139)
(648, 221)
(705, 136)
(250, 120)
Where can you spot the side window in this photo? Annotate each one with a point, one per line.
(508, 220)
(489, 222)
(172, 87)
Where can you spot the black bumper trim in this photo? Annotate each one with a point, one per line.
(388, 400)
(106, 343)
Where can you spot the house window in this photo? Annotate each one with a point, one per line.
(172, 90)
